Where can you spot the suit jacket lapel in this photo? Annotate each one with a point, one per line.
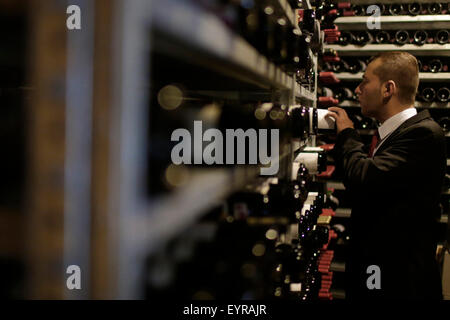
(417, 118)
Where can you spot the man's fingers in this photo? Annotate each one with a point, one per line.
(335, 109)
(341, 112)
(332, 115)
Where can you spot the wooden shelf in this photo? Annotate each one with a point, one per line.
(222, 49)
(203, 190)
(420, 22)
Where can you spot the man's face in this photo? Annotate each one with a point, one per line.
(369, 92)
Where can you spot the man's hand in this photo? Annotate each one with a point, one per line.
(341, 117)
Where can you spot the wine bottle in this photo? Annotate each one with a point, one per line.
(382, 37)
(359, 10)
(343, 93)
(302, 181)
(444, 123)
(428, 94)
(420, 37)
(356, 65)
(396, 9)
(340, 242)
(315, 161)
(443, 94)
(435, 65)
(434, 8)
(340, 66)
(382, 8)
(328, 52)
(346, 38)
(299, 119)
(327, 92)
(441, 37)
(414, 9)
(363, 38)
(402, 37)
(331, 201)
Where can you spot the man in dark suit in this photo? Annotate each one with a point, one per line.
(394, 188)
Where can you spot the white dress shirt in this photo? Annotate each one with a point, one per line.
(391, 124)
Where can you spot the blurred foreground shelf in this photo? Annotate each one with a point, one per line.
(201, 31)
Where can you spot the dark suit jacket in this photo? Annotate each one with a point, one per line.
(395, 207)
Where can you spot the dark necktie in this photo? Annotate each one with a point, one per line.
(374, 144)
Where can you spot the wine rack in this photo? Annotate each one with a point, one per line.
(244, 63)
(101, 192)
(189, 37)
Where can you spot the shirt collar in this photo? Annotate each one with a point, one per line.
(395, 121)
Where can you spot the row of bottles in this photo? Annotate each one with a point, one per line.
(264, 25)
(340, 93)
(426, 93)
(399, 37)
(175, 106)
(359, 64)
(246, 250)
(396, 9)
(436, 93)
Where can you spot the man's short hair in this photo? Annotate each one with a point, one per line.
(403, 69)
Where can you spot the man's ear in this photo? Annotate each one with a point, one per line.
(389, 88)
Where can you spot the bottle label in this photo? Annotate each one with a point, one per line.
(310, 160)
(325, 122)
(296, 287)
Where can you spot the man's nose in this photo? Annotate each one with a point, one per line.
(357, 91)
